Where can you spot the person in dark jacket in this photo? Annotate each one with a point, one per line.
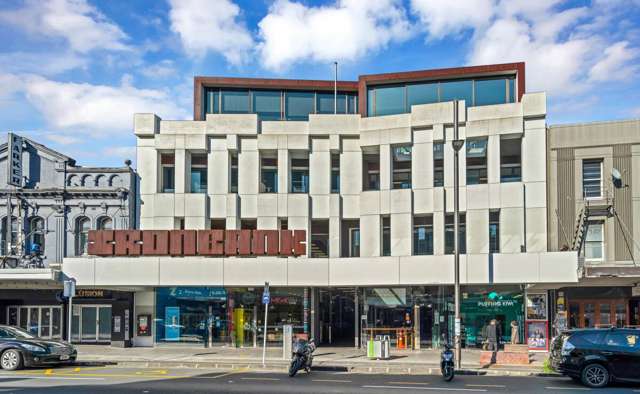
(492, 335)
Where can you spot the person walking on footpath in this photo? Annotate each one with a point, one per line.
(492, 339)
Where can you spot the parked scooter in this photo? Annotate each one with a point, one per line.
(302, 356)
(447, 361)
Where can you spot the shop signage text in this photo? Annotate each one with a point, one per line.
(197, 242)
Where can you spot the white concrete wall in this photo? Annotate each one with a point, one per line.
(521, 223)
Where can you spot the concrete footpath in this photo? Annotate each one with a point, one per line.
(325, 358)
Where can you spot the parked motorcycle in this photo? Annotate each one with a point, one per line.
(302, 356)
(446, 362)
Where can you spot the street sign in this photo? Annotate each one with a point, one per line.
(457, 327)
(69, 288)
(14, 165)
(266, 298)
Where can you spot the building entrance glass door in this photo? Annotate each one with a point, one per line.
(91, 323)
(337, 316)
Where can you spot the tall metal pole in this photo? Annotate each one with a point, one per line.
(456, 237)
(335, 88)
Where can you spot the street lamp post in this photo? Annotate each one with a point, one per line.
(457, 145)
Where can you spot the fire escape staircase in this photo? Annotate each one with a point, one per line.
(591, 208)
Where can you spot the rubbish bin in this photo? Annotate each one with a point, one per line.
(379, 348)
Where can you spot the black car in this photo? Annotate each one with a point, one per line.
(19, 348)
(596, 357)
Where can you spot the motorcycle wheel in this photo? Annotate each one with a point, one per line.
(448, 373)
(296, 363)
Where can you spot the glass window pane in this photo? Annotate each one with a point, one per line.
(325, 103)
(490, 91)
(104, 324)
(56, 328)
(235, 102)
(299, 105)
(425, 93)
(45, 322)
(591, 178)
(213, 101)
(266, 104)
(457, 90)
(34, 323)
(89, 318)
(512, 90)
(352, 104)
(371, 94)
(198, 180)
(389, 100)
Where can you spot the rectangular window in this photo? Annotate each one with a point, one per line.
(510, 159)
(167, 166)
(269, 172)
(233, 172)
(198, 173)
(267, 104)
(422, 235)
(352, 103)
(371, 169)
(299, 105)
(438, 164)
(325, 103)
(235, 101)
(335, 173)
(490, 91)
(388, 100)
(284, 223)
(449, 229)
(320, 238)
(594, 241)
(457, 90)
(423, 93)
(385, 223)
(512, 90)
(212, 104)
(476, 161)
(218, 224)
(494, 231)
(300, 173)
(401, 166)
(248, 224)
(592, 178)
(350, 238)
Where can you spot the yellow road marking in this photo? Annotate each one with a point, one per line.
(48, 372)
(76, 370)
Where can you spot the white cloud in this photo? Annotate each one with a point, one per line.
(43, 63)
(96, 109)
(207, 26)
(616, 63)
(446, 17)
(349, 29)
(566, 49)
(75, 21)
(62, 139)
(161, 69)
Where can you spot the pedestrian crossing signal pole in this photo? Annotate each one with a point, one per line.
(266, 299)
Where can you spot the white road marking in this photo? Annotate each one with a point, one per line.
(568, 388)
(422, 388)
(43, 377)
(420, 383)
(331, 380)
(259, 378)
(486, 385)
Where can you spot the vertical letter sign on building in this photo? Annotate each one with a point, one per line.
(14, 168)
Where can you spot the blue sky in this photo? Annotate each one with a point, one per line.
(73, 72)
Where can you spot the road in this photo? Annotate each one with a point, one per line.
(156, 381)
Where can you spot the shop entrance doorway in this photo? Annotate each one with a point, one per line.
(337, 316)
(91, 324)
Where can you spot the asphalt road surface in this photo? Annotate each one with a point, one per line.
(153, 380)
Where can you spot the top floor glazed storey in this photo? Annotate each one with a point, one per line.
(371, 95)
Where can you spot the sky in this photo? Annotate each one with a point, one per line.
(73, 72)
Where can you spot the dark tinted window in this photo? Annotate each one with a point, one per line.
(235, 102)
(267, 105)
(299, 105)
(623, 339)
(589, 338)
(5, 334)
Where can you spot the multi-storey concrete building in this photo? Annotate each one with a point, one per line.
(365, 170)
(53, 203)
(594, 206)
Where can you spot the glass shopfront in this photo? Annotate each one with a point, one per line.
(230, 316)
(481, 304)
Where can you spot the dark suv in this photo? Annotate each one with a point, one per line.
(596, 357)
